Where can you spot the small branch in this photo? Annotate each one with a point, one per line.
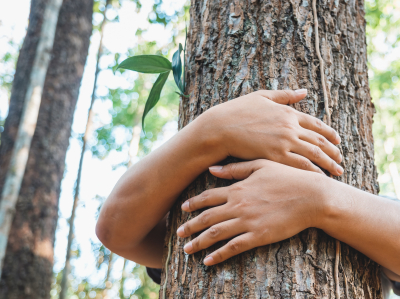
(321, 64)
(337, 258)
(166, 265)
(328, 121)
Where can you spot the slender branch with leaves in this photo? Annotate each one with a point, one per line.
(157, 64)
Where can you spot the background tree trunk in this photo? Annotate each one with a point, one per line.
(20, 85)
(236, 47)
(85, 139)
(27, 125)
(27, 271)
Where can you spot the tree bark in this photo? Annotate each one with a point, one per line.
(27, 271)
(87, 135)
(27, 125)
(234, 48)
(20, 85)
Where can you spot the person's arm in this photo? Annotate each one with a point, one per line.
(275, 202)
(251, 127)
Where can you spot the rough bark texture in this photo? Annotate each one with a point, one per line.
(20, 85)
(234, 48)
(27, 271)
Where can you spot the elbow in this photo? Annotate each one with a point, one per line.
(104, 234)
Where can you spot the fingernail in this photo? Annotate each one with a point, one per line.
(208, 261)
(180, 231)
(301, 91)
(339, 169)
(185, 205)
(188, 247)
(215, 168)
(338, 137)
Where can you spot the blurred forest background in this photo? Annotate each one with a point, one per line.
(115, 140)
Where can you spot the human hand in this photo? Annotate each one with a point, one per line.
(272, 203)
(261, 126)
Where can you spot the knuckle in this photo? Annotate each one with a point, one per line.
(235, 245)
(205, 217)
(337, 154)
(205, 195)
(288, 110)
(319, 124)
(304, 164)
(243, 203)
(316, 152)
(217, 256)
(321, 141)
(196, 244)
(266, 235)
(187, 229)
(288, 93)
(232, 169)
(214, 232)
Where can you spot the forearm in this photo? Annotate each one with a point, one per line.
(366, 222)
(147, 191)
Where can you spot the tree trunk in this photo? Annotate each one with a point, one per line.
(20, 85)
(236, 47)
(87, 135)
(27, 271)
(27, 125)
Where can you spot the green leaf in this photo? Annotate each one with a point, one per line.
(148, 64)
(154, 95)
(177, 67)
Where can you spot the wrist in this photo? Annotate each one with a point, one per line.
(208, 131)
(324, 200)
(333, 204)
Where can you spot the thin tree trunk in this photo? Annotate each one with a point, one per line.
(27, 271)
(88, 133)
(122, 281)
(27, 125)
(20, 85)
(107, 282)
(133, 151)
(234, 48)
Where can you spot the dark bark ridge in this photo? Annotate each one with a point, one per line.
(236, 47)
(28, 263)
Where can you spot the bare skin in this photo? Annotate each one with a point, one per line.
(263, 208)
(256, 126)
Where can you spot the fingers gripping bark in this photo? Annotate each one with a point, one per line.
(234, 247)
(316, 125)
(237, 171)
(208, 198)
(284, 97)
(219, 232)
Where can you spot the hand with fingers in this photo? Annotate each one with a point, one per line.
(273, 202)
(261, 126)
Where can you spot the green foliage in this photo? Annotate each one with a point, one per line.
(147, 64)
(177, 68)
(147, 289)
(155, 64)
(383, 35)
(155, 94)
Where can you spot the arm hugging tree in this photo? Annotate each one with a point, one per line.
(234, 48)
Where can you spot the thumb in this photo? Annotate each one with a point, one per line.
(284, 97)
(236, 171)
